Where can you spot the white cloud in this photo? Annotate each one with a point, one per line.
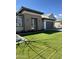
(59, 14)
(56, 16)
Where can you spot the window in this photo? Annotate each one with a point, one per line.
(32, 23)
(18, 20)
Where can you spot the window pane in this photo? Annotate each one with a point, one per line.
(19, 21)
(32, 23)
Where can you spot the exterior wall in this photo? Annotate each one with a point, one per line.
(27, 20)
(18, 29)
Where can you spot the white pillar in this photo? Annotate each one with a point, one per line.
(45, 24)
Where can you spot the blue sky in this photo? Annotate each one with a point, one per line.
(46, 6)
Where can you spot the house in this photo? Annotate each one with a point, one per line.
(58, 24)
(28, 19)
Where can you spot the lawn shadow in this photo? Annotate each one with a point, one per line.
(37, 32)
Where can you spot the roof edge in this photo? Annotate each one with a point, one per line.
(28, 9)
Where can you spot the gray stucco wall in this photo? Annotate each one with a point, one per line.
(27, 21)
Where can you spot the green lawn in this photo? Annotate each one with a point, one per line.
(46, 45)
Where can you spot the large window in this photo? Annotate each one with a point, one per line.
(34, 23)
(18, 20)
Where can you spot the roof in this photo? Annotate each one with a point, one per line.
(58, 20)
(49, 19)
(48, 16)
(30, 10)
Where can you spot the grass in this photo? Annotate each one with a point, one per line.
(47, 45)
